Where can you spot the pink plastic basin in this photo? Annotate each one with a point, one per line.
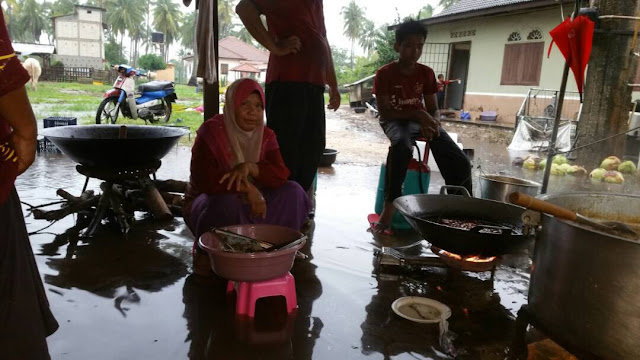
(257, 266)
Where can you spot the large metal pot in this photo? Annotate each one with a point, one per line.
(585, 284)
(498, 187)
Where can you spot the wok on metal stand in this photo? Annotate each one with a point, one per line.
(116, 183)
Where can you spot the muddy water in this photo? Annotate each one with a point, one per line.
(134, 297)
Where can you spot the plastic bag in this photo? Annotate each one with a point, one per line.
(464, 115)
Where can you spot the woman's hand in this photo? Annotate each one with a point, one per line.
(239, 176)
(25, 147)
(334, 99)
(257, 203)
(290, 45)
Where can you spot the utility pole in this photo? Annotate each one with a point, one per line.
(607, 96)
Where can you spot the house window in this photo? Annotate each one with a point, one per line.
(535, 34)
(514, 36)
(88, 11)
(522, 64)
(224, 69)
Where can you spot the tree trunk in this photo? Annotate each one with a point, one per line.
(607, 97)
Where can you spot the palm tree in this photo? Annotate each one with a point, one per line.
(226, 13)
(63, 7)
(353, 16)
(32, 20)
(447, 3)
(188, 31)
(243, 34)
(10, 16)
(124, 15)
(166, 19)
(426, 12)
(368, 37)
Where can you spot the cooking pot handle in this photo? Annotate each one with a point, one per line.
(462, 189)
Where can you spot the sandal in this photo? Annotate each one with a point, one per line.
(381, 229)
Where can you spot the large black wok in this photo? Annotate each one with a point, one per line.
(422, 211)
(100, 145)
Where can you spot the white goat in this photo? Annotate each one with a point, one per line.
(33, 68)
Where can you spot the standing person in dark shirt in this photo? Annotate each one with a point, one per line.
(300, 65)
(406, 93)
(25, 318)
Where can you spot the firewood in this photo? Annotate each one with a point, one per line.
(174, 186)
(73, 207)
(156, 203)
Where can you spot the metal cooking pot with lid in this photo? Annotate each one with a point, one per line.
(585, 284)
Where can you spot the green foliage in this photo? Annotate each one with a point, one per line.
(166, 19)
(369, 35)
(426, 12)
(113, 53)
(226, 15)
(188, 31)
(63, 7)
(353, 17)
(32, 21)
(340, 58)
(151, 62)
(363, 67)
(384, 47)
(447, 3)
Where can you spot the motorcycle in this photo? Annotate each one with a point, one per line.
(153, 103)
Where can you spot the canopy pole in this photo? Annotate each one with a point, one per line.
(211, 98)
(554, 135)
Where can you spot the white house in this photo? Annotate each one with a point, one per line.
(79, 37)
(237, 59)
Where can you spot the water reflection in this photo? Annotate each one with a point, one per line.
(483, 326)
(216, 333)
(111, 266)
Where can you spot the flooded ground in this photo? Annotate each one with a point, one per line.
(135, 297)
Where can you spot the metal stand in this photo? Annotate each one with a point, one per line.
(519, 350)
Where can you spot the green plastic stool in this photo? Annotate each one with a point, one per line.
(417, 172)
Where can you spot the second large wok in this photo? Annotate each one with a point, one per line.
(102, 145)
(422, 211)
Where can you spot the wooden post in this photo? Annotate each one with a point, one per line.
(211, 93)
(607, 96)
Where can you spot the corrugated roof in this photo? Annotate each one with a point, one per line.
(26, 49)
(235, 48)
(245, 68)
(471, 5)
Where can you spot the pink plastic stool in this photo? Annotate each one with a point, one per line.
(248, 293)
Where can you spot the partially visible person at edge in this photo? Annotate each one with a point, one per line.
(237, 172)
(406, 93)
(442, 84)
(25, 317)
(300, 64)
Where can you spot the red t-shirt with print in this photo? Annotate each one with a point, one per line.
(405, 92)
(304, 19)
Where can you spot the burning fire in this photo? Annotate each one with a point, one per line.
(472, 258)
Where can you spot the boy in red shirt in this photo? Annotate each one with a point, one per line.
(441, 85)
(406, 93)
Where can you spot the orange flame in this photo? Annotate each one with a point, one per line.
(472, 258)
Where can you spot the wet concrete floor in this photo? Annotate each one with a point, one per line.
(135, 297)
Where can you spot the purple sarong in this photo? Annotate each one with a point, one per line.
(287, 206)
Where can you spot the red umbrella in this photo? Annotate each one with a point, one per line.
(573, 38)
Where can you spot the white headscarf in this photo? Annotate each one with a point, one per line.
(245, 145)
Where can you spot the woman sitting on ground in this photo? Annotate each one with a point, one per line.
(237, 173)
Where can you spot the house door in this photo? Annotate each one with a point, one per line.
(460, 53)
